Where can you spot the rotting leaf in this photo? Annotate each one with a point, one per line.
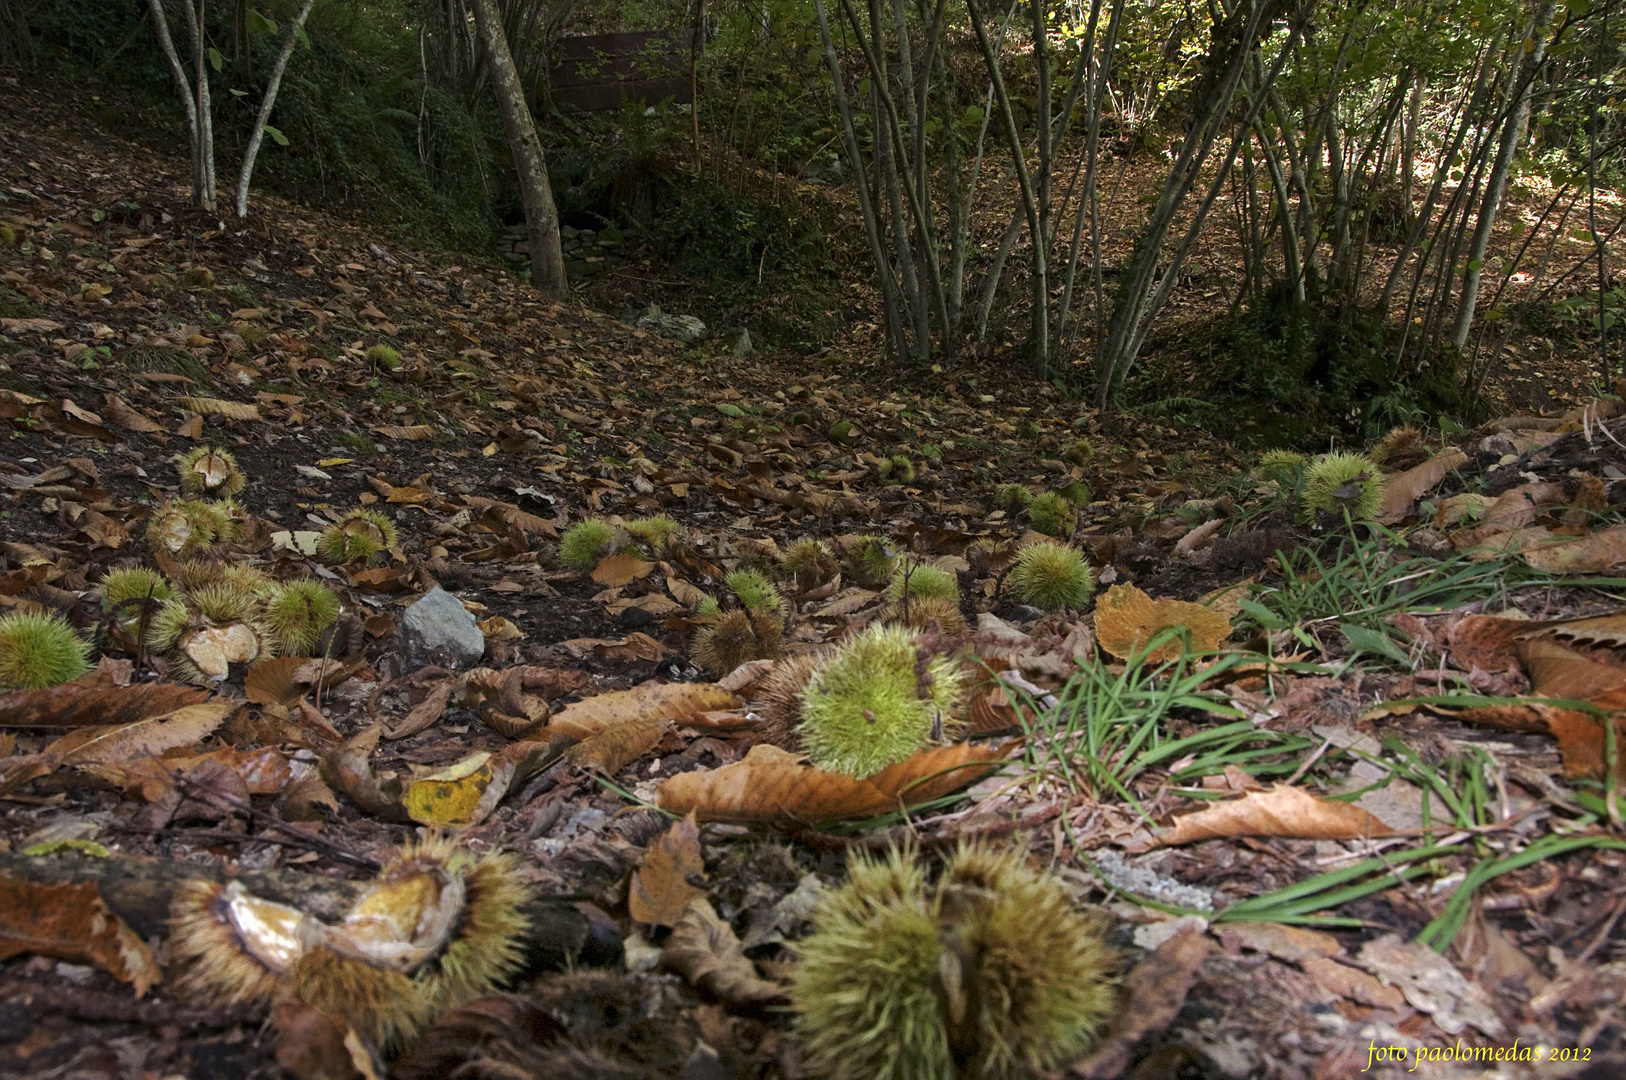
(1126, 620)
(676, 702)
(1279, 811)
(662, 886)
(72, 922)
(704, 949)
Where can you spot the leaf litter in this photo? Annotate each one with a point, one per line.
(1388, 754)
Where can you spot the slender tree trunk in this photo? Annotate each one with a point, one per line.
(1523, 82)
(541, 216)
(166, 44)
(257, 135)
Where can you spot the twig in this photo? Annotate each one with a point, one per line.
(314, 843)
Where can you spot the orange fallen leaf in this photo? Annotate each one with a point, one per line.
(614, 749)
(1126, 619)
(662, 887)
(72, 922)
(1279, 811)
(1591, 554)
(770, 784)
(619, 569)
(1402, 490)
(1512, 511)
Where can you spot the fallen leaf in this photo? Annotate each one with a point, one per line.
(410, 433)
(1591, 554)
(1154, 993)
(1403, 489)
(272, 680)
(118, 744)
(615, 748)
(704, 950)
(311, 1045)
(1126, 620)
(1354, 984)
(424, 714)
(770, 784)
(94, 699)
(307, 798)
(1512, 511)
(449, 796)
(621, 568)
(1280, 811)
(231, 410)
(631, 647)
(71, 922)
(1293, 943)
(676, 702)
(662, 886)
(347, 768)
(1431, 984)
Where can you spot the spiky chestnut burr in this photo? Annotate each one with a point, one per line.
(360, 534)
(217, 626)
(1012, 498)
(876, 701)
(656, 532)
(1051, 514)
(738, 636)
(925, 582)
(229, 946)
(206, 470)
(1400, 448)
(869, 561)
(38, 650)
(990, 974)
(754, 591)
(922, 612)
(183, 527)
(1284, 467)
(1051, 576)
(807, 561)
(584, 542)
(1339, 482)
(297, 613)
(383, 1006)
(779, 698)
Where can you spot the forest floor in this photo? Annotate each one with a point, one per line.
(1370, 819)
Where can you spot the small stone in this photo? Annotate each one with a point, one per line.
(737, 342)
(684, 328)
(1021, 613)
(437, 629)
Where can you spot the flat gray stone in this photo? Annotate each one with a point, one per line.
(437, 629)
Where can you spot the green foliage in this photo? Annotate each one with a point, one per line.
(868, 707)
(583, 543)
(1339, 483)
(1051, 576)
(39, 650)
(924, 582)
(1051, 514)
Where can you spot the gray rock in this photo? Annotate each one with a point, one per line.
(684, 328)
(1021, 613)
(439, 630)
(737, 342)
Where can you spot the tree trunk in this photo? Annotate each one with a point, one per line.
(257, 135)
(1520, 93)
(541, 216)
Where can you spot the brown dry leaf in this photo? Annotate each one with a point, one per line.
(119, 744)
(614, 749)
(382, 579)
(1592, 554)
(1284, 942)
(770, 784)
(410, 433)
(272, 680)
(1487, 642)
(662, 886)
(1347, 982)
(311, 1045)
(676, 702)
(1512, 511)
(121, 413)
(1402, 490)
(307, 798)
(846, 602)
(1280, 811)
(498, 628)
(264, 771)
(71, 922)
(632, 647)
(424, 713)
(231, 410)
(346, 768)
(1154, 993)
(704, 950)
(1431, 984)
(94, 699)
(417, 492)
(619, 569)
(1126, 619)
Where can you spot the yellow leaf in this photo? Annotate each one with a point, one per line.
(327, 461)
(488, 450)
(450, 795)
